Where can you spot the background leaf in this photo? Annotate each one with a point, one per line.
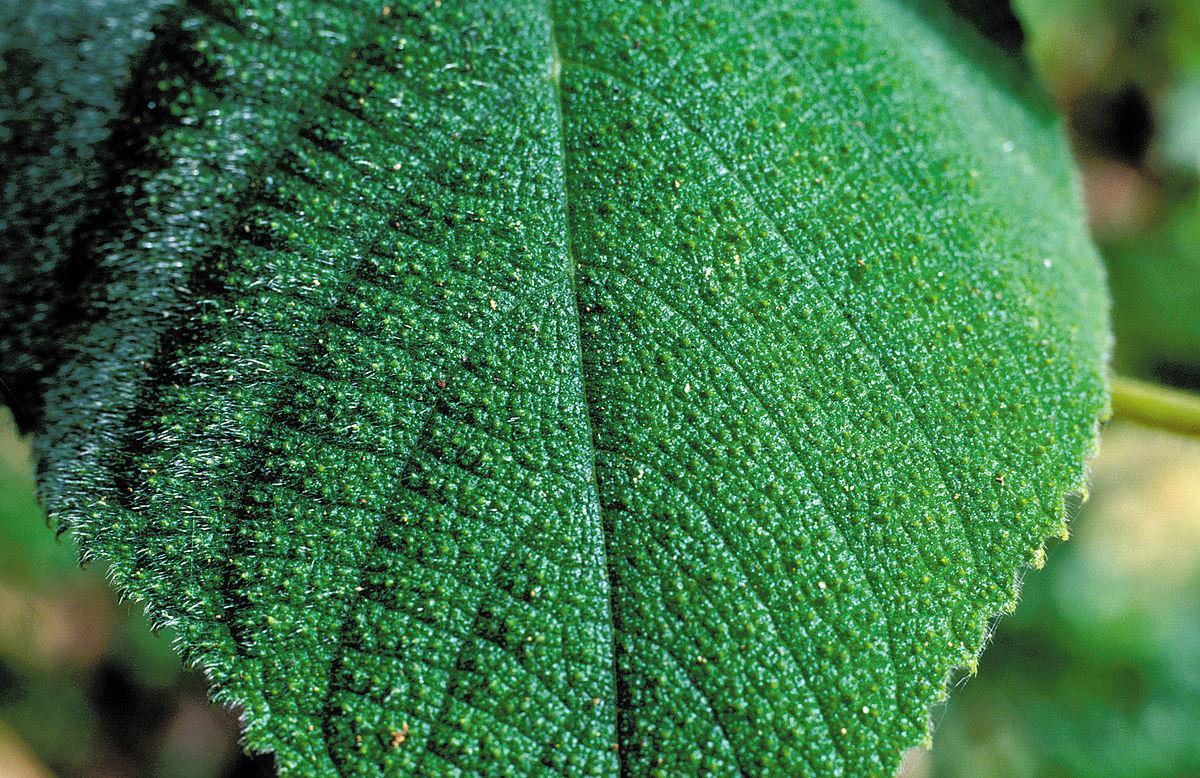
(685, 381)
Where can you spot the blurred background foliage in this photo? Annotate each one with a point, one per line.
(85, 688)
(1096, 674)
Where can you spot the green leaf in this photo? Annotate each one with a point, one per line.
(597, 388)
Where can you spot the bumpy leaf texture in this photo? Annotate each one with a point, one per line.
(583, 388)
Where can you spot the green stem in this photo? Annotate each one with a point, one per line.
(1156, 405)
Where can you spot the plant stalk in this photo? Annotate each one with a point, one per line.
(1156, 405)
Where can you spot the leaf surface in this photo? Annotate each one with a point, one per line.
(598, 388)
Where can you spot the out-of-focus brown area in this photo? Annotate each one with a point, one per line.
(1126, 74)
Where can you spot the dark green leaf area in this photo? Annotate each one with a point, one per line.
(64, 65)
(590, 390)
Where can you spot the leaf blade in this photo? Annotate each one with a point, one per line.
(805, 500)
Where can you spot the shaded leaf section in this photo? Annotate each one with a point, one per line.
(66, 67)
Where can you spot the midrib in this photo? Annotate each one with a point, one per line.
(555, 67)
